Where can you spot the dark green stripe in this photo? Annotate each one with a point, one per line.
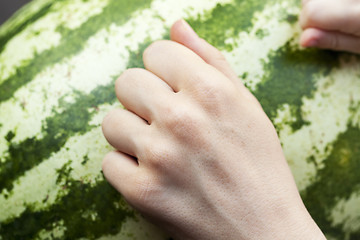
(72, 205)
(73, 119)
(227, 21)
(336, 180)
(117, 11)
(17, 29)
(290, 75)
(77, 197)
(77, 115)
(56, 130)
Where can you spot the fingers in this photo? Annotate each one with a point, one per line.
(141, 92)
(304, 2)
(123, 173)
(182, 33)
(125, 131)
(179, 67)
(312, 37)
(331, 15)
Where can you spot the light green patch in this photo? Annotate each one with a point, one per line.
(116, 12)
(70, 209)
(23, 18)
(290, 107)
(327, 112)
(41, 35)
(337, 180)
(289, 77)
(346, 214)
(261, 33)
(56, 130)
(226, 21)
(249, 50)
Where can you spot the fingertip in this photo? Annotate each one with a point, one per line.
(108, 163)
(310, 37)
(330, 40)
(175, 30)
(303, 2)
(118, 166)
(183, 33)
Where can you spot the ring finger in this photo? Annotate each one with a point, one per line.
(125, 131)
(142, 92)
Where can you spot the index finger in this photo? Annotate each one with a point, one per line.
(180, 67)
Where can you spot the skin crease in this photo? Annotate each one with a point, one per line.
(196, 154)
(331, 24)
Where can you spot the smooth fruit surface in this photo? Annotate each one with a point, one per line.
(58, 64)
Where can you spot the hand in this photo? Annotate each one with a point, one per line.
(331, 24)
(196, 153)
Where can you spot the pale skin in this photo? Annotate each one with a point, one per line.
(331, 24)
(195, 152)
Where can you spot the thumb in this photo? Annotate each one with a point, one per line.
(313, 37)
(182, 33)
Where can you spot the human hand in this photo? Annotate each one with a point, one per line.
(196, 153)
(331, 24)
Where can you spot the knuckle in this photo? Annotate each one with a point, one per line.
(215, 90)
(160, 154)
(308, 14)
(153, 155)
(211, 81)
(144, 193)
(206, 83)
(217, 96)
(181, 120)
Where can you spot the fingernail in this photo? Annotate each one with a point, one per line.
(312, 43)
(188, 28)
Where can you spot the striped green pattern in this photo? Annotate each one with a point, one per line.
(58, 64)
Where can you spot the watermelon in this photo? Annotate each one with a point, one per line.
(58, 64)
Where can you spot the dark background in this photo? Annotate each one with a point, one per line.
(8, 7)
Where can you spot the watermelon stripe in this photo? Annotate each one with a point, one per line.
(31, 147)
(135, 61)
(40, 94)
(22, 185)
(69, 212)
(335, 93)
(73, 74)
(345, 215)
(337, 180)
(58, 128)
(287, 66)
(31, 151)
(227, 21)
(44, 34)
(14, 31)
(40, 182)
(276, 62)
(73, 41)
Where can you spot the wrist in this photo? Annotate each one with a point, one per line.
(293, 223)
